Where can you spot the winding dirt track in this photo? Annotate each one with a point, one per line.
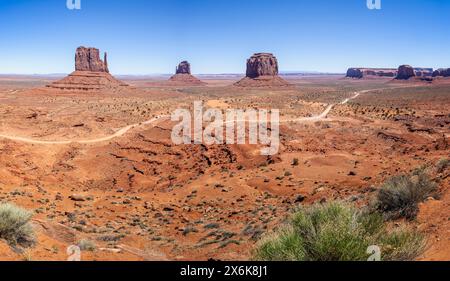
(124, 130)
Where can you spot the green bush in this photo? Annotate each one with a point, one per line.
(87, 245)
(400, 196)
(14, 225)
(337, 232)
(442, 165)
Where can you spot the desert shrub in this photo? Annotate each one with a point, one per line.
(442, 165)
(87, 245)
(15, 225)
(337, 232)
(400, 196)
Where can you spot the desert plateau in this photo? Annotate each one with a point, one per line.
(225, 140)
(100, 166)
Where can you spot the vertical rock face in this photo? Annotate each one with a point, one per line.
(262, 71)
(88, 59)
(405, 72)
(262, 64)
(183, 68)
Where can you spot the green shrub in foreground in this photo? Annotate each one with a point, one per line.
(400, 196)
(337, 232)
(14, 225)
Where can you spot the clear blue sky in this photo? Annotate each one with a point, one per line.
(217, 36)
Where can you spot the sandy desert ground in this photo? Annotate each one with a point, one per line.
(102, 166)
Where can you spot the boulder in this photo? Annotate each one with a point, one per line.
(405, 72)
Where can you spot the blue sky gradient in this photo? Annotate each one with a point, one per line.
(217, 36)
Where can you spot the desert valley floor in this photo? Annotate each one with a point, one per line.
(101, 166)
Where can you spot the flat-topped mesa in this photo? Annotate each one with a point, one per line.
(262, 71)
(88, 59)
(262, 64)
(183, 68)
(357, 72)
(405, 72)
(423, 72)
(442, 72)
(183, 76)
(91, 73)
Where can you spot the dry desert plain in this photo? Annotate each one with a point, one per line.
(101, 166)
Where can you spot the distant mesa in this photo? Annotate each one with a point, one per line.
(262, 71)
(183, 75)
(442, 72)
(91, 73)
(405, 72)
(359, 73)
(423, 72)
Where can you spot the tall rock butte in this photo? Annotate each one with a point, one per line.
(405, 72)
(183, 76)
(91, 73)
(88, 59)
(262, 71)
(183, 68)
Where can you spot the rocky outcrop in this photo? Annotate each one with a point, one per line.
(88, 59)
(91, 73)
(262, 71)
(183, 68)
(443, 72)
(405, 72)
(183, 76)
(371, 72)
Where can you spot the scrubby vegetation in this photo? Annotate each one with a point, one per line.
(15, 225)
(87, 245)
(442, 165)
(400, 196)
(338, 232)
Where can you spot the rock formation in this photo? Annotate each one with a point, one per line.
(405, 72)
(183, 68)
(444, 72)
(355, 73)
(262, 71)
(423, 72)
(183, 76)
(371, 72)
(88, 59)
(262, 64)
(91, 73)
